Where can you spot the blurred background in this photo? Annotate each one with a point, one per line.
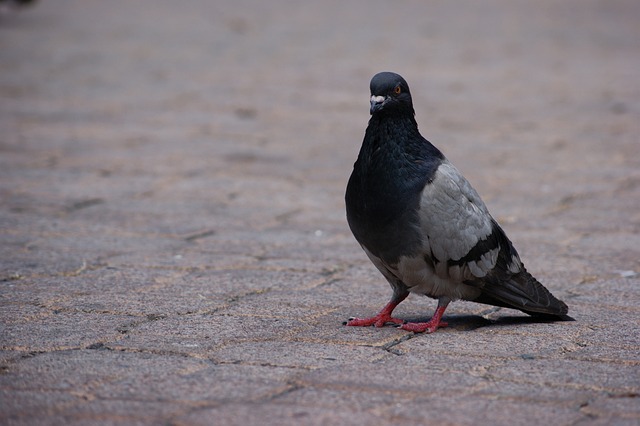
(174, 117)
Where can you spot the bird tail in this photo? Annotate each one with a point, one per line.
(522, 291)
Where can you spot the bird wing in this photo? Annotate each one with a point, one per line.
(460, 236)
(465, 244)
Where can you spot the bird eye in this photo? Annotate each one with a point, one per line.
(397, 90)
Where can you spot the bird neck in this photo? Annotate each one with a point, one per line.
(395, 153)
(394, 135)
(395, 118)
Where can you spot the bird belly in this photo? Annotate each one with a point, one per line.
(421, 278)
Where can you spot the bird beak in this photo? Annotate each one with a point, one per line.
(376, 103)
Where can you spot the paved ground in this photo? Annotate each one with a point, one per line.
(173, 244)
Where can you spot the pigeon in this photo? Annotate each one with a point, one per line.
(424, 226)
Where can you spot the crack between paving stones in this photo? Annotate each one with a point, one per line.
(198, 235)
(52, 309)
(390, 347)
(14, 276)
(159, 352)
(556, 385)
(386, 347)
(290, 387)
(84, 267)
(127, 327)
(264, 364)
(356, 388)
(100, 346)
(83, 204)
(583, 409)
(228, 302)
(204, 268)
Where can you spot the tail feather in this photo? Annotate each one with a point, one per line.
(522, 291)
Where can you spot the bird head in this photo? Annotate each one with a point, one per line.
(390, 94)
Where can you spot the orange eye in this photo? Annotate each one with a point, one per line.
(397, 90)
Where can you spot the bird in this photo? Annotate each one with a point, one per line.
(423, 225)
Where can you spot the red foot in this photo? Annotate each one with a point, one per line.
(382, 318)
(430, 326)
(379, 321)
(422, 327)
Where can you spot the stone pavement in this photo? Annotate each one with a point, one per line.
(173, 243)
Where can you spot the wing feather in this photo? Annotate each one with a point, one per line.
(455, 220)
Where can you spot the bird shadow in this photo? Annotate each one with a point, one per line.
(474, 322)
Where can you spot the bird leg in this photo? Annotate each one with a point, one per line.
(433, 324)
(383, 317)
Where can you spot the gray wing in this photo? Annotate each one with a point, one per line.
(461, 235)
(465, 244)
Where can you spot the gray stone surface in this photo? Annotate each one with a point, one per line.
(173, 244)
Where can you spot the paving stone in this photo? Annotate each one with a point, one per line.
(63, 331)
(404, 375)
(571, 374)
(34, 406)
(460, 411)
(622, 408)
(204, 335)
(305, 355)
(274, 414)
(117, 412)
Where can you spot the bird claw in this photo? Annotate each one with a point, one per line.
(349, 320)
